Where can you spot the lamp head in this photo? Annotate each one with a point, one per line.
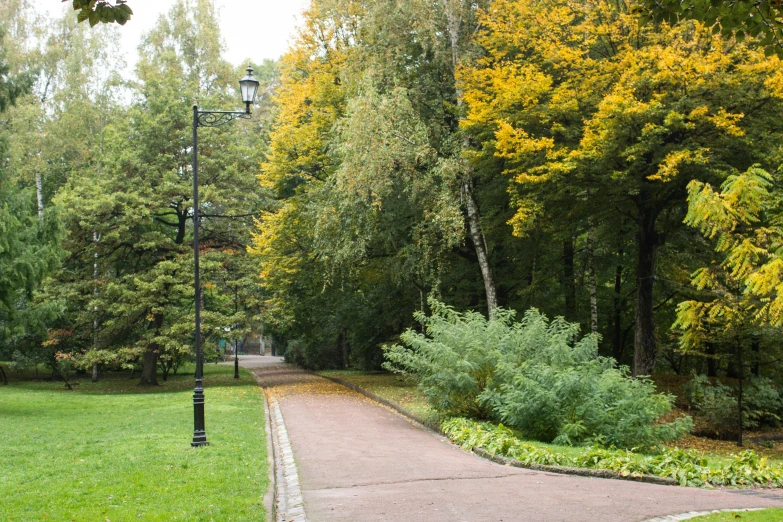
(248, 87)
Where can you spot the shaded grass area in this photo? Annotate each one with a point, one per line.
(113, 451)
(398, 388)
(402, 390)
(765, 515)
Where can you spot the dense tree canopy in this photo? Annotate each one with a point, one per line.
(758, 19)
(117, 177)
(488, 155)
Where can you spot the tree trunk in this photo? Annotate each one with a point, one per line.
(182, 221)
(3, 375)
(453, 9)
(740, 397)
(481, 249)
(618, 344)
(95, 238)
(569, 285)
(644, 339)
(149, 370)
(712, 362)
(342, 350)
(592, 284)
(756, 348)
(39, 194)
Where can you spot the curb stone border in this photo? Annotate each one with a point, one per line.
(288, 502)
(694, 514)
(505, 461)
(271, 492)
(269, 496)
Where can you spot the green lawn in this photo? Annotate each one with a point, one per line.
(395, 388)
(112, 451)
(765, 515)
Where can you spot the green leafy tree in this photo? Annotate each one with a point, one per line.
(619, 118)
(100, 11)
(131, 267)
(760, 20)
(29, 240)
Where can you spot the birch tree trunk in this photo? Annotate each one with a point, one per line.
(39, 194)
(453, 10)
(481, 249)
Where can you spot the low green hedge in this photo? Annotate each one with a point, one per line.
(689, 468)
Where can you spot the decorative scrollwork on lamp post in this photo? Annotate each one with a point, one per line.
(218, 118)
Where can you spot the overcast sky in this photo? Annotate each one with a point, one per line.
(255, 29)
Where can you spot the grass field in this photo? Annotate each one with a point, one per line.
(765, 515)
(112, 451)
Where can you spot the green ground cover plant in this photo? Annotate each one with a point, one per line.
(113, 451)
(689, 468)
(764, 515)
(535, 375)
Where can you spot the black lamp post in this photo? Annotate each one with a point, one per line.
(248, 86)
(236, 358)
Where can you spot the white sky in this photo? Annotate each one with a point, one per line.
(254, 29)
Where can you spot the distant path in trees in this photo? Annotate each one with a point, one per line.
(360, 461)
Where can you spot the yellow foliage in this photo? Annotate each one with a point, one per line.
(568, 91)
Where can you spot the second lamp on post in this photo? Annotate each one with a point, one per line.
(248, 87)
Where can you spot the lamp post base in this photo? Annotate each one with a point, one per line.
(199, 431)
(199, 439)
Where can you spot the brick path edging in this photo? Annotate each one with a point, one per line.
(283, 499)
(288, 501)
(269, 496)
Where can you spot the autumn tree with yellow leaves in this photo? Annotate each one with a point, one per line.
(590, 111)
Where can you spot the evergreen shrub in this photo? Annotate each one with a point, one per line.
(535, 376)
(715, 405)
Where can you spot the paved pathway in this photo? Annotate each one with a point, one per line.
(360, 462)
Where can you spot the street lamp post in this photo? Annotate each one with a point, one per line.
(248, 87)
(236, 358)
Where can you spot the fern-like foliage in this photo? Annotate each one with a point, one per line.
(534, 375)
(743, 219)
